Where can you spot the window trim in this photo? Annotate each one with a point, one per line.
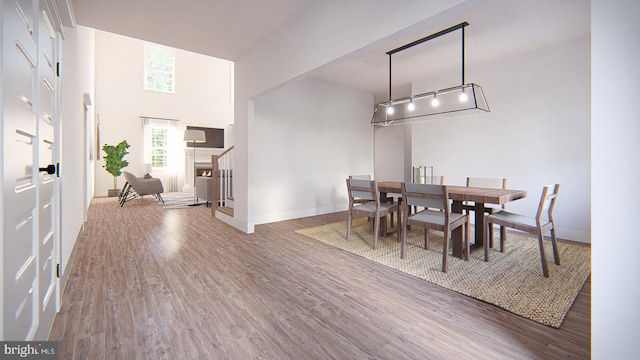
(165, 147)
(146, 69)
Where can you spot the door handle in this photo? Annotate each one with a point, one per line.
(51, 169)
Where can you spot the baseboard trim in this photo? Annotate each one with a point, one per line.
(66, 269)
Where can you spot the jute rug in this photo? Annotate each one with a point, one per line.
(511, 280)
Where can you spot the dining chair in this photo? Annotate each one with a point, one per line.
(368, 177)
(364, 200)
(360, 177)
(537, 225)
(434, 180)
(360, 201)
(436, 215)
(493, 183)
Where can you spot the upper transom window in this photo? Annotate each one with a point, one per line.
(159, 69)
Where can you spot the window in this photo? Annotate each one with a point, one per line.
(159, 69)
(158, 147)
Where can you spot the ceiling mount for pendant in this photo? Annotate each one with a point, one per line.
(459, 99)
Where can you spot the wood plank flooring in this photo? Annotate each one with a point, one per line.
(177, 284)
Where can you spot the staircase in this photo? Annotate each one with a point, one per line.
(222, 173)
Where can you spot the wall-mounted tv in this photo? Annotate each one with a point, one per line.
(214, 138)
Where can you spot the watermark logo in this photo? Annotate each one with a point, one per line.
(41, 350)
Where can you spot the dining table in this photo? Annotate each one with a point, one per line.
(460, 194)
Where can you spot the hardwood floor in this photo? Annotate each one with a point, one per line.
(177, 284)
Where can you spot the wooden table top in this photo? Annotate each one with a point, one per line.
(466, 193)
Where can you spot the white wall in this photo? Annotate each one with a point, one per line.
(202, 98)
(76, 166)
(537, 133)
(321, 33)
(311, 136)
(616, 175)
(389, 152)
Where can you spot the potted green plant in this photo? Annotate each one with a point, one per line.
(114, 162)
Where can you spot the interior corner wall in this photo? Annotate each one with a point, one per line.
(313, 135)
(202, 98)
(389, 152)
(615, 314)
(537, 133)
(77, 65)
(323, 32)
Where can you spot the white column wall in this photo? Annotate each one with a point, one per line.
(312, 135)
(77, 74)
(615, 315)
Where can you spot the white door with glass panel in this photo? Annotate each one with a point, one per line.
(30, 204)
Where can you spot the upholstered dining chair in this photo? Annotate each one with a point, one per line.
(138, 187)
(433, 180)
(360, 177)
(493, 183)
(368, 177)
(538, 225)
(436, 215)
(360, 201)
(364, 200)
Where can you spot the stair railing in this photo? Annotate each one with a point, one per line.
(222, 173)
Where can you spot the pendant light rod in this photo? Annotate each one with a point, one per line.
(430, 37)
(460, 26)
(390, 98)
(463, 55)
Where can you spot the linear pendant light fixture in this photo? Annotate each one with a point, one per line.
(456, 100)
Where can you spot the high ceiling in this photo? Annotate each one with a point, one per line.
(228, 29)
(224, 29)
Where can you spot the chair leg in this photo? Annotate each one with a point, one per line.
(445, 248)
(160, 198)
(467, 246)
(403, 246)
(466, 232)
(503, 237)
(125, 196)
(484, 240)
(349, 226)
(399, 228)
(491, 235)
(426, 239)
(376, 230)
(123, 189)
(543, 257)
(554, 242)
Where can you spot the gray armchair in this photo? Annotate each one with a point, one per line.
(138, 187)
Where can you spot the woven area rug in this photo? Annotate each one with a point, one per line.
(511, 280)
(178, 200)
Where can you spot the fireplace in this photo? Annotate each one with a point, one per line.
(193, 170)
(201, 168)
